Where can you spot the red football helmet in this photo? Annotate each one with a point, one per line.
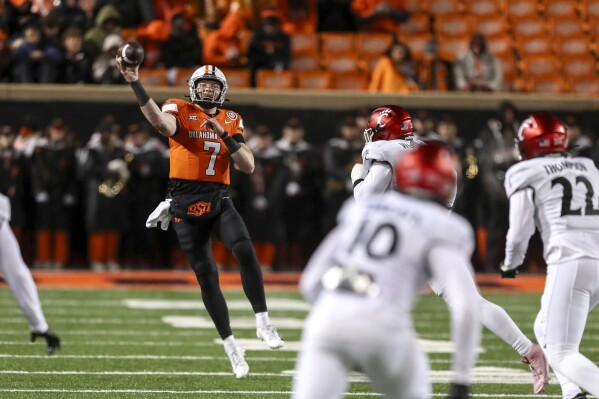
(541, 133)
(427, 170)
(388, 122)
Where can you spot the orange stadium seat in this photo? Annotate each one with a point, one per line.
(540, 66)
(453, 47)
(500, 45)
(269, 79)
(575, 67)
(343, 63)
(535, 45)
(350, 81)
(517, 9)
(417, 5)
(527, 27)
(444, 7)
(302, 43)
(593, 28)
(566, 27)
(153, 77)
(373, 44)
(574, 46)
(416, 43)
(337, 42)
(315, 80)
(549, 85)
(508, 65)
(306, 62)
(491, 25)
(561, 8)
(453, 25)
(482, 8)
(417, 23)
(585, 85)
(237, 78)
(590, 8)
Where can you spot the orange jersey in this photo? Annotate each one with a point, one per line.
(198, 153)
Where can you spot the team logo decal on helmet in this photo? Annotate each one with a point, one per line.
(389, 122)
(540, 134)
(208, 72)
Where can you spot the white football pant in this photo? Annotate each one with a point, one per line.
(571, 292)
(335, 343)
(18, 277)
(492, 317)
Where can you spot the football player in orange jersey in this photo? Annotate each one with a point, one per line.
(203, 138)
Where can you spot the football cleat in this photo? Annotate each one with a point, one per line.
(582, 395)
(240, 366)
(270, 336)
(52, 340)
(538, 365)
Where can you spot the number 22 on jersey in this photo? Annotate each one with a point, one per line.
(568, 189)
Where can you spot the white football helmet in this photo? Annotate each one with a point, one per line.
(208, 72)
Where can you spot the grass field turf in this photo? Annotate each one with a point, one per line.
(117, 344)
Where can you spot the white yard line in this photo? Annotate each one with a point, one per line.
(147, 391)
(143, 357)
(116, 343)
(480, 375)
(229, 393)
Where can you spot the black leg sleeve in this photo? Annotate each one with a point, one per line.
(234, 234)
(195, 242)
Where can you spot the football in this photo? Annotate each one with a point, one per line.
(131, 53)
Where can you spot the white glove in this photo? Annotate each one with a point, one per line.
(4, 208)
(357, 173)
(161, 214)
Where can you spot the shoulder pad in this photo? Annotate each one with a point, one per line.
(519, 176)
(386, 151)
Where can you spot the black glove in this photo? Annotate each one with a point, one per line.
(458, 391)
(511, 273)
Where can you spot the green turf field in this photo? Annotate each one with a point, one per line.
(161, 344)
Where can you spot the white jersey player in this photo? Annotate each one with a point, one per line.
(558, 195)
(19, 280)
(389, 134)
(365, 276)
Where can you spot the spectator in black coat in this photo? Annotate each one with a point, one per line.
(183, 49)
(270, 47)
(70, 14)
(76, 65)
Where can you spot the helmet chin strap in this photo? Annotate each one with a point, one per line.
(207, 104)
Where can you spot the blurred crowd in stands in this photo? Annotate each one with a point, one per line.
(84, 204)
(75, 41)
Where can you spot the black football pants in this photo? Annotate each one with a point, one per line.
(195, 240)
